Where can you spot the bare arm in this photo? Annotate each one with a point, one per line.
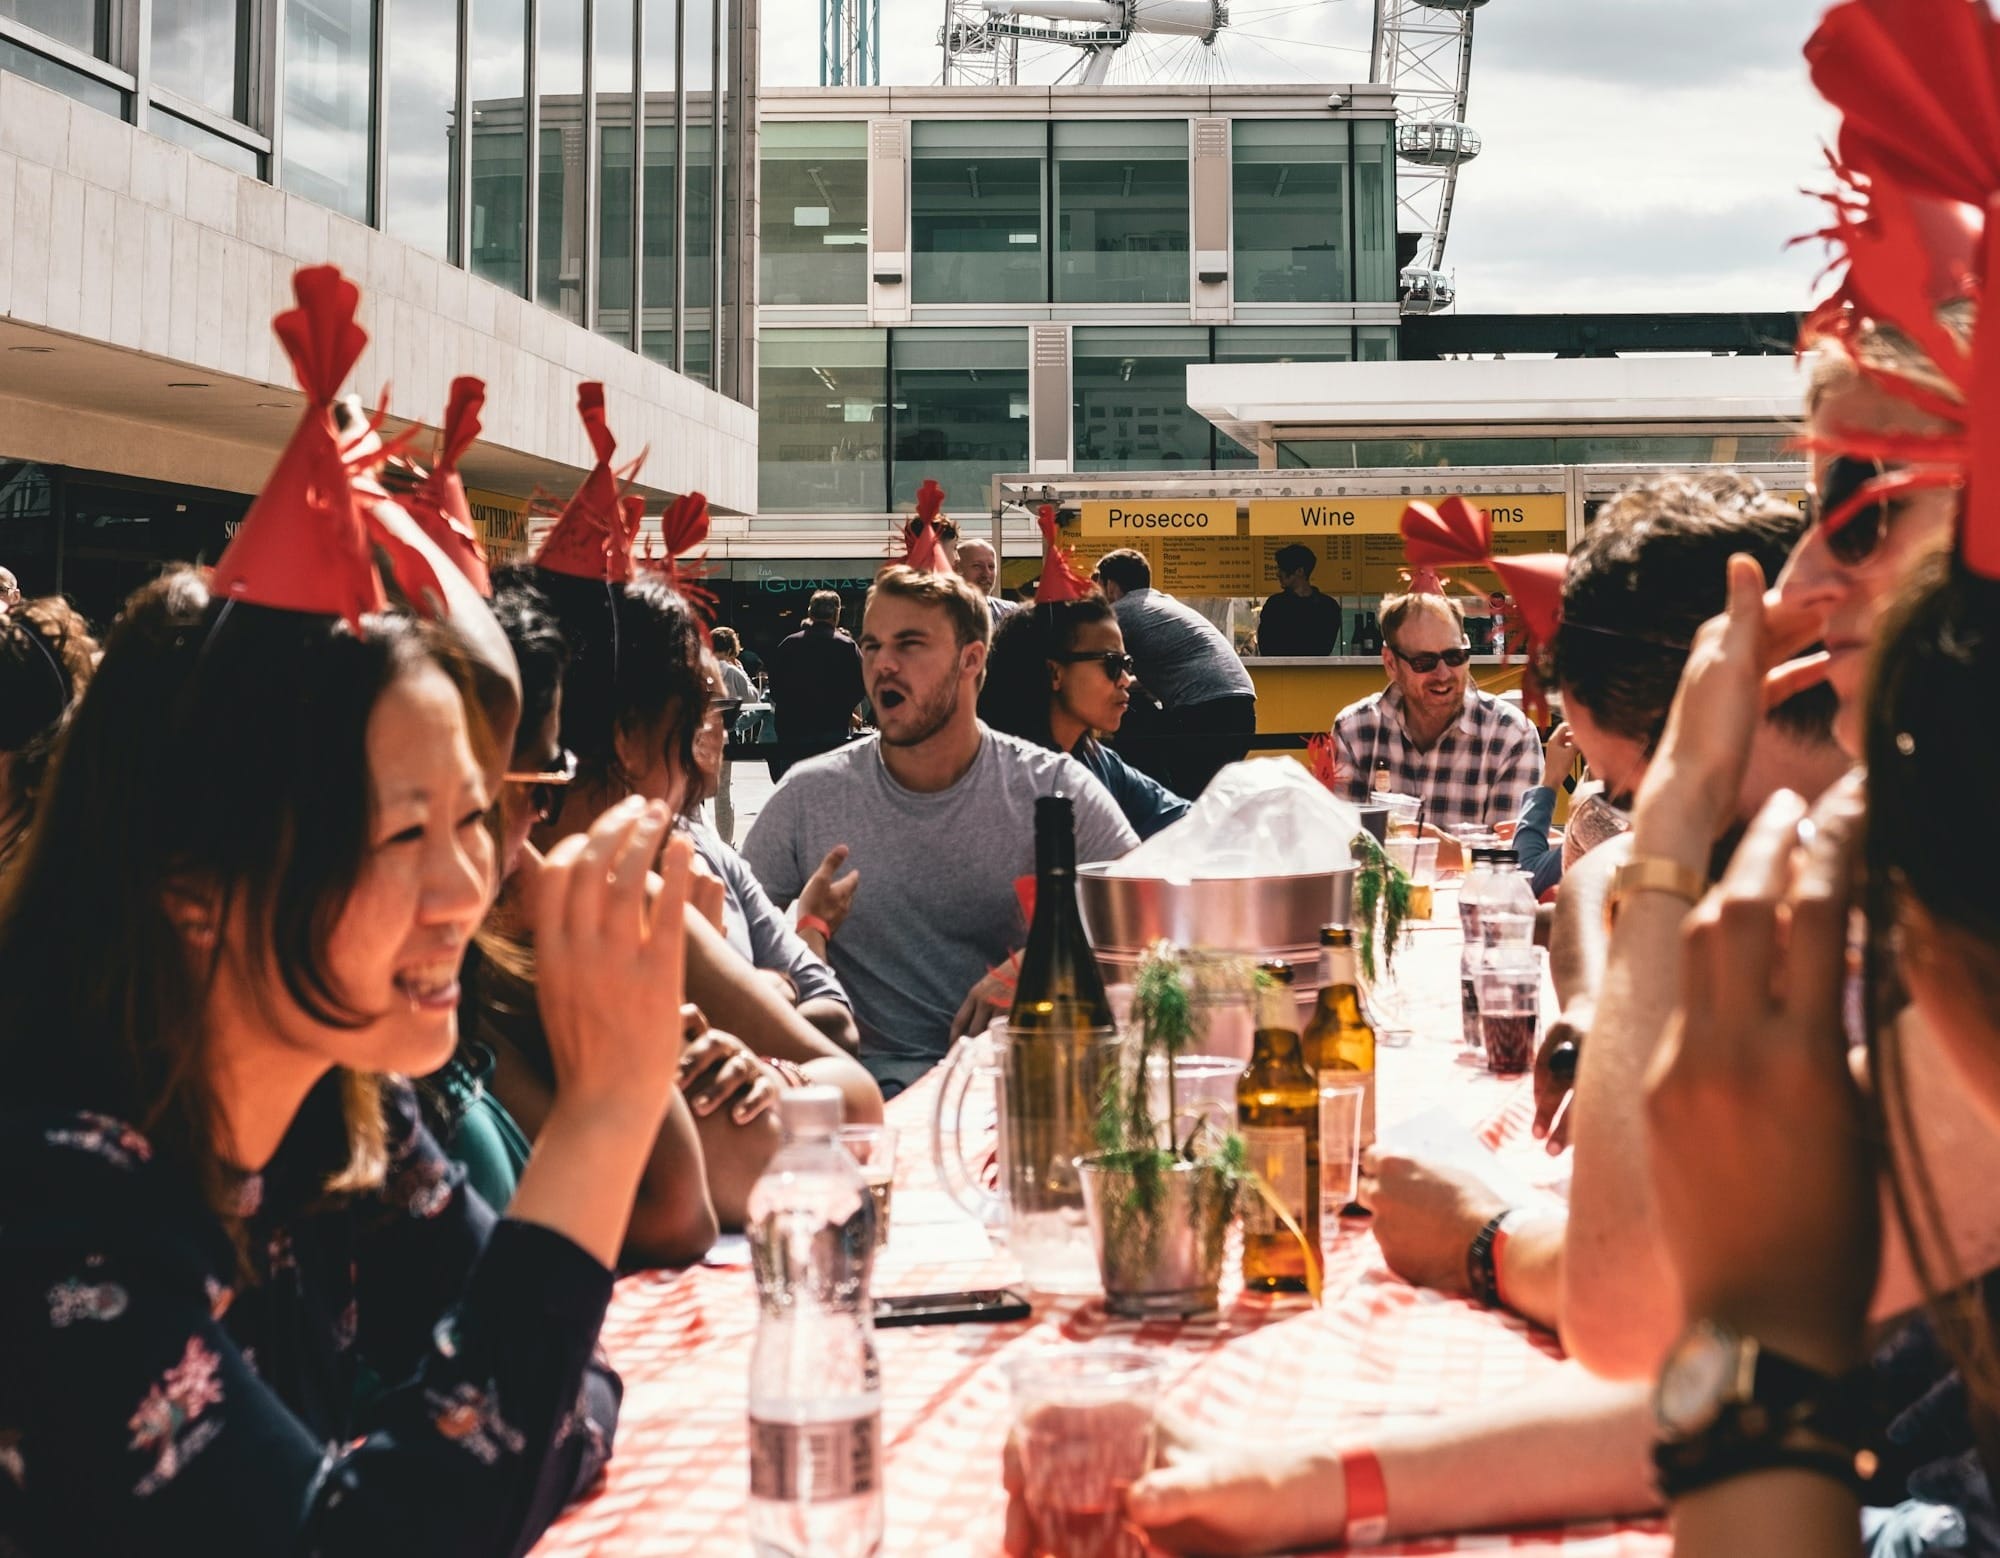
(1579, 940)
(833, 1019)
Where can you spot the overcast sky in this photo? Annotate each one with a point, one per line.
(1639, 154)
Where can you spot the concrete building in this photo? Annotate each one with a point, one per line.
(165, 165)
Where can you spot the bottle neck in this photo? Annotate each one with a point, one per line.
(1336, 969)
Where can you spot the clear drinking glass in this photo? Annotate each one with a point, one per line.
(874, 1148)
(1510, 1002)
(1339, 1155)
(1083, 1427)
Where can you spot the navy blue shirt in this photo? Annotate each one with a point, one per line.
(1148, 805)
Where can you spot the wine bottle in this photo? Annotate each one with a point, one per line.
(1340, 1038)
(1061, 1036)
(1277, 1114)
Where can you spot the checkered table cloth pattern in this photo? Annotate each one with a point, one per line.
(1377, 1347)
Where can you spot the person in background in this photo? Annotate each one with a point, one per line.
(979, 566)
(10, 590)
(1206, 711)
(46, 659)
(1470, 756)
(815, 684)
(1530, 838)
(1298, 620)
(734, 690)
(930, 916)
(1059, 676)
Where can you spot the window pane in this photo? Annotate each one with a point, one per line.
(1274, 343)
(422, 106)
(82, 24)
(698, 183)
(662, 188)
(976, 213)
(198, 51)
(233, 155)
(1131, 410)
(100, 95)
(1122, 213)
(961, 410)
(329, 84)
(499, 142)
(559, 237)
(1291, 211)
(1374, 212)
(723, 286)
(815, 213)
(1377, 343)
(823, 410)
(614, 168)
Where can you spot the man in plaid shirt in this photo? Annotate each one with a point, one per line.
(1470, 756)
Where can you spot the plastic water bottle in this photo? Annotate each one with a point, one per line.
(1506, 922)
(1471, 894)
(815, 1383)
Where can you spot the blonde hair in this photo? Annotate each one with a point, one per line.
(971, 622)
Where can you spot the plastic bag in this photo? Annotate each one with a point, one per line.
(1264, 817)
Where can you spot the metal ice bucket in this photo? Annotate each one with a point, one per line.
(1260, 916)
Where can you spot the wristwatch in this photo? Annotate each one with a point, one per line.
(1652, 874)
(1482, 1266)
(1727, 1405)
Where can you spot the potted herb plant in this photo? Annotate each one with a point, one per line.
(1159, 1192)
(1381, 905)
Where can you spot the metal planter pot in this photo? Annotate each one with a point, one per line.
(1167, 1262)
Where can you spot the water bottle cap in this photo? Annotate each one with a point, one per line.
(1504, 857)
(812, 1111)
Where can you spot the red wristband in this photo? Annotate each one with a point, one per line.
(1367, 1498)
(815, 922)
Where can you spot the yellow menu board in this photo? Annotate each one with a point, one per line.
(1124, 519)
(1510, 512)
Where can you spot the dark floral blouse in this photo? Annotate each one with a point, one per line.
(398, 1373)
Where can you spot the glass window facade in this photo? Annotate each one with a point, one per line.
(815, 214)
(421, 100)
(698, 185)
(1274, 343)
(616, 148)
(198, 51)
(100, 95)
(1374, 212)
(1533, 449)
(1129, 399)
(959, 411)
(559, 239)
(824, 401)
(85, 25)
(660, 182)
(1293, 221)
(329, 76)
(500, 142)
(233, 155)
(1121, 203)
(977, 193)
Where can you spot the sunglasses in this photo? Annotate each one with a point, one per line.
(543, 786)
(1115, 662)
(1425, 663)
(1861, 537)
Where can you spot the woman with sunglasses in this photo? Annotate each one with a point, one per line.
(1058, 675)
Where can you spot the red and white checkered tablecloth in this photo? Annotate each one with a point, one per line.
(1376, 1348)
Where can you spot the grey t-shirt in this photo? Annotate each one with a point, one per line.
(1182, 656)
(754, 928)
(935, 907)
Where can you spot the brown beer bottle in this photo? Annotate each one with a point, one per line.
(1340, 1037)
(1277, 1114)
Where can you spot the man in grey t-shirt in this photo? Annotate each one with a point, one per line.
(938, 816)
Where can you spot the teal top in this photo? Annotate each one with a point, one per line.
(471, 1125)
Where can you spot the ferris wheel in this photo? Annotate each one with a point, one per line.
(1423, 48)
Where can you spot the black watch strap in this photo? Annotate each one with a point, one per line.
(1482, 1272)
(1688, 1466)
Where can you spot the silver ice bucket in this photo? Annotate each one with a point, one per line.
(1260, 916)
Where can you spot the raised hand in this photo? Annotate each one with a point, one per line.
(828, 894)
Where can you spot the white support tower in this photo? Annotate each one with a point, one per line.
(975, 56)
(1423, 48)
(982, 38)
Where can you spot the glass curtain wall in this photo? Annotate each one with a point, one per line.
(1291, 209)
(823, 427)
(1122, 212)
(85, 25)
(233, 155)
(976, 202)
(1374, 211)
(959, 410)
(814, 218)
(560, 238)
(1274, 343)
(421, 100)
(199, 52)
(698, 187)
(1129, 399)
(500, 143)
(88, 90)
(329, 76)
(616, 143)
(658, 260)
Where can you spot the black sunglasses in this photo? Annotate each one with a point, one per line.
(1426, 662)
(1115, 662)
(1861, 536)
(544, 784)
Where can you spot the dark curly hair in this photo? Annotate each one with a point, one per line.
(46, 659)
(1016, 695)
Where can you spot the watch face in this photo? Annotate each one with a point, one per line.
(1696, 1381)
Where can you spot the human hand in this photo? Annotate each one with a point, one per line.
(1555, 1072)
(827, 897)
(719, 1068)
(1558, 757)
(1738, 667)
(1426, 1216)
(610, 960)
(990, 998)
(1209, 1494)
(1757, 1135)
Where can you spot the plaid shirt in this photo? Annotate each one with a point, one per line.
(1475, 774)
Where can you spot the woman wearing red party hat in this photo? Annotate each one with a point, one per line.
(238, 923)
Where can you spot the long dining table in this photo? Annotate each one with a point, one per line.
(1374, 1348)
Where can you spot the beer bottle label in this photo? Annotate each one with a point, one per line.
(1278, 1155)
(815, 1463)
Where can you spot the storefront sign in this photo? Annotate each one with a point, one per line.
(1147, 517)
(1379, 516)
(502, 523)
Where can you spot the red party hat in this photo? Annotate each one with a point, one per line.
(1060, 580)
(594, 537)
(439, 504)
(919, 532)
(684, 528)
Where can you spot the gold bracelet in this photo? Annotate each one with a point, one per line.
(1653, 874)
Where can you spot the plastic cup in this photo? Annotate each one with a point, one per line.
(1510, 1002)
(1204, 1094)
(874, 1148)
(1340, 1105)
(1083, 1428)
(1424, 864)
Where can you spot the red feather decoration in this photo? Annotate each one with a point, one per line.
(919, 532)
(439, 504)
(1060, 580)
(594, 537)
